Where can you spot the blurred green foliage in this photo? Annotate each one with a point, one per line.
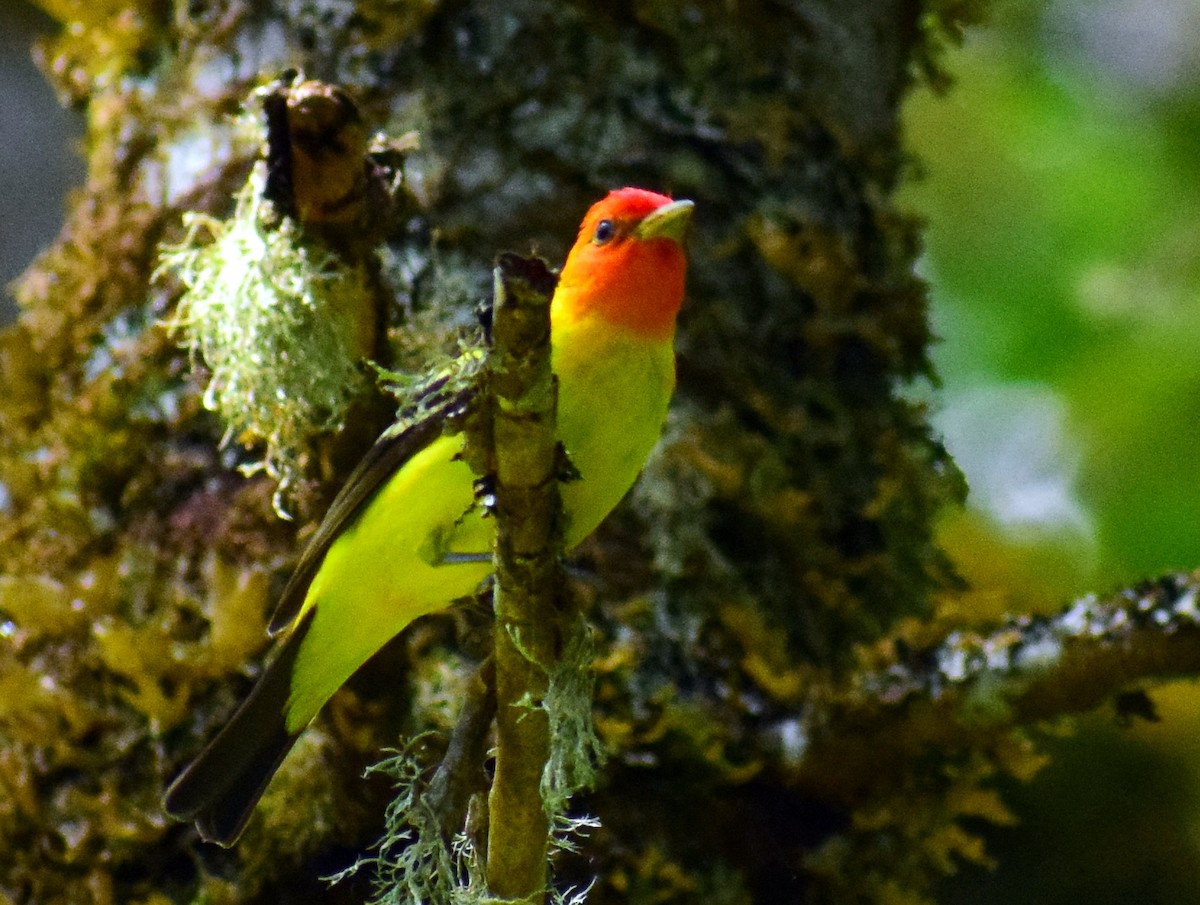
(1063, 197)
(1062, 190)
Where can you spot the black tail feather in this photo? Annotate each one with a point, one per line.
(220, 788)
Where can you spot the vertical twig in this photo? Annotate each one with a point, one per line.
(528, 543)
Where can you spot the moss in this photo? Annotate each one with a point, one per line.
(278, 321)
(897, 847)
(784, 524)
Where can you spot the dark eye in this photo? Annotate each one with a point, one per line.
(604, 231)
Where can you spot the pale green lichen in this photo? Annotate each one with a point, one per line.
(414, 862)
(278, 322)
(576, 753)
(422, 394)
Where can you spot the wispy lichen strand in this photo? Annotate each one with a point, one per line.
(277, 321)
(415, 863)
(575, 751)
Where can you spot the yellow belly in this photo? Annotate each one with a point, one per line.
(388, 567)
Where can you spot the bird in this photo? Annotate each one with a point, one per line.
(405, 535)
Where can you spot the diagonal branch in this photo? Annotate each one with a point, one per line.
(975, 686)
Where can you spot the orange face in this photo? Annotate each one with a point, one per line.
(627, 265)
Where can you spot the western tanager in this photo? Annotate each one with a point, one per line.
(405, 536)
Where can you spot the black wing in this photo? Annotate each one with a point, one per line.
(219, 789)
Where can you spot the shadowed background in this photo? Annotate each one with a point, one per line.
(38, 162)
(1061, 187)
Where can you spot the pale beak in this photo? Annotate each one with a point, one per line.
(668, 222)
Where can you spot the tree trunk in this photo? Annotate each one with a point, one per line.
(745, 595)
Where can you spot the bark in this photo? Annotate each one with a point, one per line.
(528, 547)
(771, 736)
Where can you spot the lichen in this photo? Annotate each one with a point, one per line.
(783, 528)
(414, 862)
(278, 322)
(575, 751)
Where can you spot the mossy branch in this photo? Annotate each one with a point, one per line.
(975, 686)
(528, 545)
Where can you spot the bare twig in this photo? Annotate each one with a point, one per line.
(460, 774)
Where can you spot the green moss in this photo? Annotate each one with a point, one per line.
(278, 322)
(784, 523)
(897, 847)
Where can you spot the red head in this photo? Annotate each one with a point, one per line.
(627, 266)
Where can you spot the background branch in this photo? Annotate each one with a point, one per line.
(977, 685)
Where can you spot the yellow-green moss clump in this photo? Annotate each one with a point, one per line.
(282, 325)
(785, 524)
